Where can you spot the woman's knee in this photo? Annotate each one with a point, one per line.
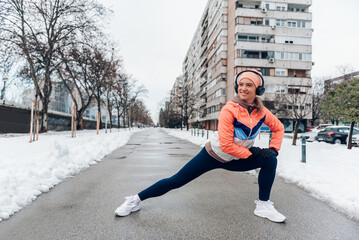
(271, 161)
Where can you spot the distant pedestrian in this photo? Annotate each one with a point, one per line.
(232, 149)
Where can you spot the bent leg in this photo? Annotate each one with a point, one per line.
(266, 175)
(200, 164)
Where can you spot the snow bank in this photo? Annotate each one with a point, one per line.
(29, 169)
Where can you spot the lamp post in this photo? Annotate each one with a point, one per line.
(4, 79)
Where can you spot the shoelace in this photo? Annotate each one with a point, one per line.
(129, 200)
(267, 204)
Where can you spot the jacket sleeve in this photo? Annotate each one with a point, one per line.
(226, 135)
(276, 127)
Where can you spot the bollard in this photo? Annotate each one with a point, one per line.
(207, 133)
(304, 160)
(202, 132)
(191, 131)
(197, 132)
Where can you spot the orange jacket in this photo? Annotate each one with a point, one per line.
(237, 131)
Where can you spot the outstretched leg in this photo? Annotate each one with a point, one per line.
(200, 164)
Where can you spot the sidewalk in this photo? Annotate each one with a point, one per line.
(218, 205)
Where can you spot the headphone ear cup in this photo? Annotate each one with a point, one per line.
(236, 83)
(260, 90)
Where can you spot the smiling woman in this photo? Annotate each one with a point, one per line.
(231, 149)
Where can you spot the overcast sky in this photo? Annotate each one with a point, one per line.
(154, 37)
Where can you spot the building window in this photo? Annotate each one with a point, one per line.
(292, 24)
(280, 90)
(280, 72)
(267, 6)
(293, 90)
(265, 71)
(280, 22)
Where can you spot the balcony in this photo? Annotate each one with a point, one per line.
(220, 70)
(279, 80)
(276, 47)
(202, 81)
(203, 92)
(257, 13)
(288, 64)
(202, 103)
(268, 30)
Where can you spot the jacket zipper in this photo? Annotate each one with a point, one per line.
(250, 120)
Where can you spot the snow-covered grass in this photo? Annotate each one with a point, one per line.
(331, 173)
(29, 169)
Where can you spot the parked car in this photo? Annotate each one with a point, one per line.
(311, 135)
(335, 134)
(355, 138)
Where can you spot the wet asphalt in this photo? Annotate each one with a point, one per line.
(218, 205)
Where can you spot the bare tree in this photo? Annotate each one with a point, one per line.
(317, 98)
(39, 29)
(186, 103)
(296, 105)
(102, 72)
(74, 73)
(346, 71)
(140, 114)
(111, 88)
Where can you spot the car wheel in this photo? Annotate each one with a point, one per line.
(337, 141)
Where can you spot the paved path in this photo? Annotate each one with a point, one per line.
(218, 205)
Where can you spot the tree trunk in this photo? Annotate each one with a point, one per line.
(99, 110)
(44, 116)
(118, 117)
(110, 116)
(350, 135)
(124, 119)
(80, 120)
(295, 132)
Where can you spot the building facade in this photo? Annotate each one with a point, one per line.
(272, 36)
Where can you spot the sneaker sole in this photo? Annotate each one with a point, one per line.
(128, 213)
(271, 219)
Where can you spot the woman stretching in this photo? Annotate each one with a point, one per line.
(232, 149)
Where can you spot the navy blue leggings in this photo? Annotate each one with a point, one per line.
(203, 163)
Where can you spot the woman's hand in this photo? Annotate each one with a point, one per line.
(268, 152)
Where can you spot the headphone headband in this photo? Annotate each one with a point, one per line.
(259, 90)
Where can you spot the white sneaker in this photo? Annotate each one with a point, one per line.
(267, 210)
(130, 205)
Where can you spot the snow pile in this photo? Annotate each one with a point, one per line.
(29, 169)
(330, 174)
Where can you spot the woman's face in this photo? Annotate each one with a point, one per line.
(247, 90)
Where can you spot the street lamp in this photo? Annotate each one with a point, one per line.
(4, 79)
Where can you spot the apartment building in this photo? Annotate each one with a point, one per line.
(205, 64)
(272, 36)
(175, 96)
